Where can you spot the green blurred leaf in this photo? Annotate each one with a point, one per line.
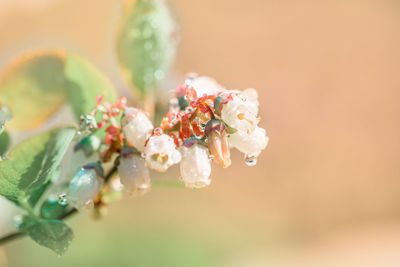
(51, 209)
(85, 82)
(33, 87)
(53, 234)
(146, 43)
(32, 162)
(4, 143)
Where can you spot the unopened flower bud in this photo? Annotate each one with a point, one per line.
(218, 142)
(134, 174)
(195, 166)
(85, 185)
(160, 152)
(136, 127)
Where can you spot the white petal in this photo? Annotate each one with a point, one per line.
(251, 100)
(134, 174)
(160, 153)
(137, 128)
(205, 85)
(251, 144)
(195, 166)
(241, 113)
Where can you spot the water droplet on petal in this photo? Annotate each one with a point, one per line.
(158, 131)
(62, 199)
(18, 219)
(89, 204)
(250, 160)
(211, 157)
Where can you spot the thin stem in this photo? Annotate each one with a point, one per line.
(11, 237)
(17, 235)
(110, 173)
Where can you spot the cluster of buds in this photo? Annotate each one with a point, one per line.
(203, 123)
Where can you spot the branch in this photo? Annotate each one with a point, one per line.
(16, 235)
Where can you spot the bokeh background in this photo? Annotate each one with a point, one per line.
(326, 191)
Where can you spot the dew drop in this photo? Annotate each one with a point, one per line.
(211, 157)
(62, 199)
(18, 219)
(250, 160)
(158, 131)
(89, 204)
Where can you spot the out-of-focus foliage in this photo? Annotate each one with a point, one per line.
(35, 85)
(85, 82)
(4, 142)
(53, 234)
(147, 244)
(146, 43)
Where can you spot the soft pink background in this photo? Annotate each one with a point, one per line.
(326, 192)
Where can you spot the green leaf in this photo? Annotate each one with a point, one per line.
(146, 43)
(4, 143)
(53, 234)
(85, 82)
(32, 162)
(51, 209)
(33, 87)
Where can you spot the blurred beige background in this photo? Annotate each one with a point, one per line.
(326, 192)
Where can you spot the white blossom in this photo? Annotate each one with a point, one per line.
(134, 174)
(160, 152)
(249, 143)
(241, 112)
(195, 166)
(84, 187)
(136, 127)
(205, 85)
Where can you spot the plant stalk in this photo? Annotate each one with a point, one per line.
(18, 234)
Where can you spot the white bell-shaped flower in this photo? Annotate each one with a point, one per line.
(136, 127)
(160, 152)
(195, 166)
(204, 85)
(241, 112)
(251, 143)
(134, 174)
(85, 186)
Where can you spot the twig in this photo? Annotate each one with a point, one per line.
(17, 235)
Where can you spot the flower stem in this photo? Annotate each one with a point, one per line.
(67, 214)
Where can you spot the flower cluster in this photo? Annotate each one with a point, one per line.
(203, 122)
